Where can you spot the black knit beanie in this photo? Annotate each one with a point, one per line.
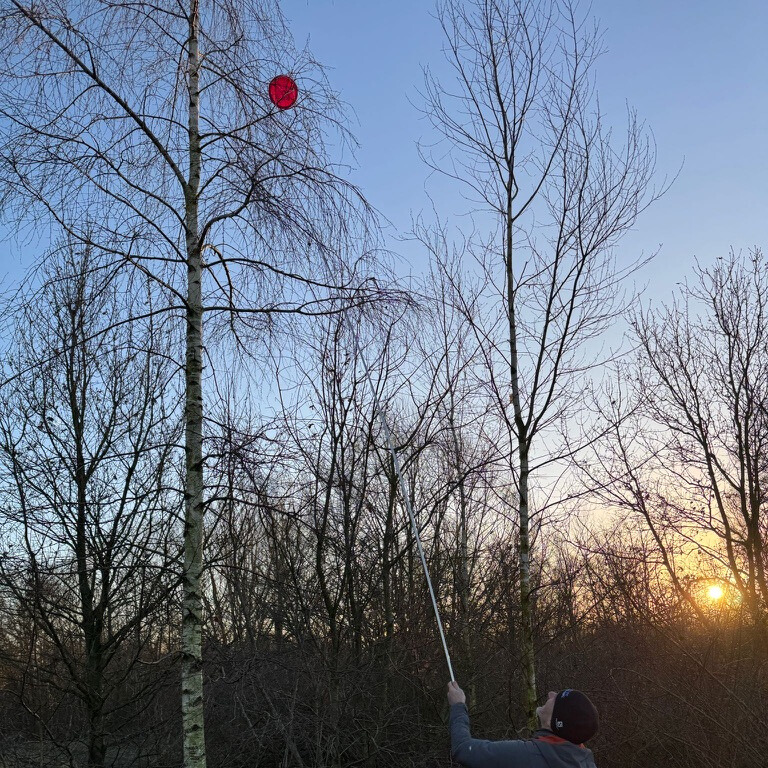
(574, 716)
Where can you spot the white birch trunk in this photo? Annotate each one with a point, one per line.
(192, 610)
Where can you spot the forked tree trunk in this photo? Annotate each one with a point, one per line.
(192, 610)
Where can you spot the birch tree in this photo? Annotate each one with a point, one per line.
(551, 192)
(143, 130)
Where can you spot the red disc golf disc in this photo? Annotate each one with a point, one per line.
(283, 92)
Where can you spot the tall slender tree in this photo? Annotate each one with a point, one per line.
(552, 193)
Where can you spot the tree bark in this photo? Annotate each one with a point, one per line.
(521, 436)
(192, 610)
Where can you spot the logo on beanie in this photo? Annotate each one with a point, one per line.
(574, 716)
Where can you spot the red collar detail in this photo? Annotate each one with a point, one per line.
(552, 739)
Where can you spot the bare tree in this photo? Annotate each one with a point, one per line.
(553, 193)
(690, 462)
(88, 436)
(144, 131)
(464, 469)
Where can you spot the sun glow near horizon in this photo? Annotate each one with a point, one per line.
(715, 593)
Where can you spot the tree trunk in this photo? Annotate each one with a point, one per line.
(96, 746)
(526, 605)
(192, 610)
(521, 436)
(462, 574)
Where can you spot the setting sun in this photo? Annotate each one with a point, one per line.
(714, 592)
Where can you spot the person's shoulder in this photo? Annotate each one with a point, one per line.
(563, 752)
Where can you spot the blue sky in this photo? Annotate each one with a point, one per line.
(696, 71)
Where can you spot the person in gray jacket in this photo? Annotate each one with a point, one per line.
(567, 719)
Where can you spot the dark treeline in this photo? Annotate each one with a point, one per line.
(200, 520)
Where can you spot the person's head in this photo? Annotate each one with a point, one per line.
(569, 714)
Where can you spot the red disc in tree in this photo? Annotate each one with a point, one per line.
(283, 92)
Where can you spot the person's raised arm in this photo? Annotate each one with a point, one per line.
(478, 753)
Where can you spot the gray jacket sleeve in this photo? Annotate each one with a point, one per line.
(479, 753)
